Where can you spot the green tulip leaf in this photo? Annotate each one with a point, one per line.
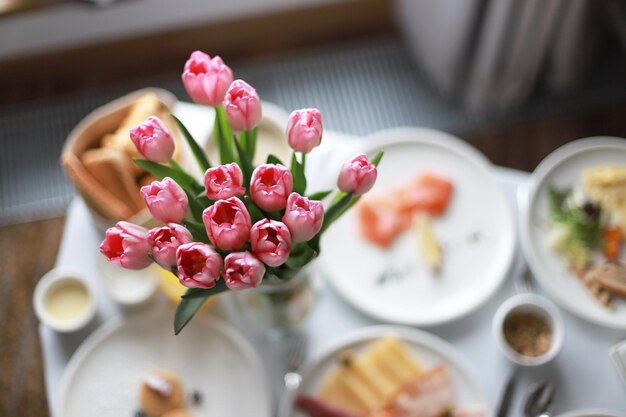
(297, 172)
(256, 213)
(301, 255)
(377, 158)
(194, 206)
(197, 230)
(248, 142)
(320, 195)
(223, 136)
(186, 181)
(244, 162)
(336, 209)
(191, 302)
(198, 153)
(273, 159)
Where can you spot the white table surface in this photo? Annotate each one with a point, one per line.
(583, 372)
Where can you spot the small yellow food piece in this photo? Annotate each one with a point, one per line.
(427, 242)
(606, 186)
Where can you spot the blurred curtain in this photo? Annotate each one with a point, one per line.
(489, 54)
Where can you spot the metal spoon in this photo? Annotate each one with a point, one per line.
(539, 399)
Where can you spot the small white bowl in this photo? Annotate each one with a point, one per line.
(540, 307)
(129, 288)
(56, 290)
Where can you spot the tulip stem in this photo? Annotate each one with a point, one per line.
(335, 211)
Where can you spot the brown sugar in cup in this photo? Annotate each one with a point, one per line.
(528, 329)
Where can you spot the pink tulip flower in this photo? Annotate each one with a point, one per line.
(153, 140)
(206, 80)
(166, 200)
(224, 181)
(227, 223)
(357, 176)
(242, 270)
(164, 242)
(304, 130)
(271, 241)
(199, 265)
(303, 217)
(126, 245)
(270, 186)
(242, 106)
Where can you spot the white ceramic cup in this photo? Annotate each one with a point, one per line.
(55, 280)
(540, 307)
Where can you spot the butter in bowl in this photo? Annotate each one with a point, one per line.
(63, 301)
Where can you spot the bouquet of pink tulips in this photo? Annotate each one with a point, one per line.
(244, 225)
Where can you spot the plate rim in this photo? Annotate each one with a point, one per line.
(106, 329)
(414, 336)
(537, 178)
(591, 412)
(433, 137)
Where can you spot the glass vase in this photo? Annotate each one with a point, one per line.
(277, 308)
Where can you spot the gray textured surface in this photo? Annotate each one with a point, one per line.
(360, 87)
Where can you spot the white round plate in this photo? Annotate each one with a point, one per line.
(427, 348)
(477, 233)
(103, 377)
(563, 168)
(592, 413)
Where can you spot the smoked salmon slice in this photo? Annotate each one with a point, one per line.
(428, 193)
(381, 220)
(383, 217)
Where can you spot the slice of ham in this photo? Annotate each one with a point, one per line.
(428, 193)
(383, 217)
(316, 407)
(429, 395)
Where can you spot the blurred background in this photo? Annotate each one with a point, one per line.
(464, 66)
(516, 78)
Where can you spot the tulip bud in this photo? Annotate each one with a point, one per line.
(206, 80)
(153, 140)
(242, 106)
(304, 130)
(224, 181)
(270, 186)
(242, 270)
(165, 241)
(199, 265)
(227, 223)
(357, 176)
(303, 217)
(271, 242)
(166, 200)
(126, 245)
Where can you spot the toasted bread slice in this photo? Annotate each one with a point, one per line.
(364, 382)
(101, 200)
(112, 168)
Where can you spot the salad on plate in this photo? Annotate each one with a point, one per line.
(587, 226)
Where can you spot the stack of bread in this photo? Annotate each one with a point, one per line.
(98, 155)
